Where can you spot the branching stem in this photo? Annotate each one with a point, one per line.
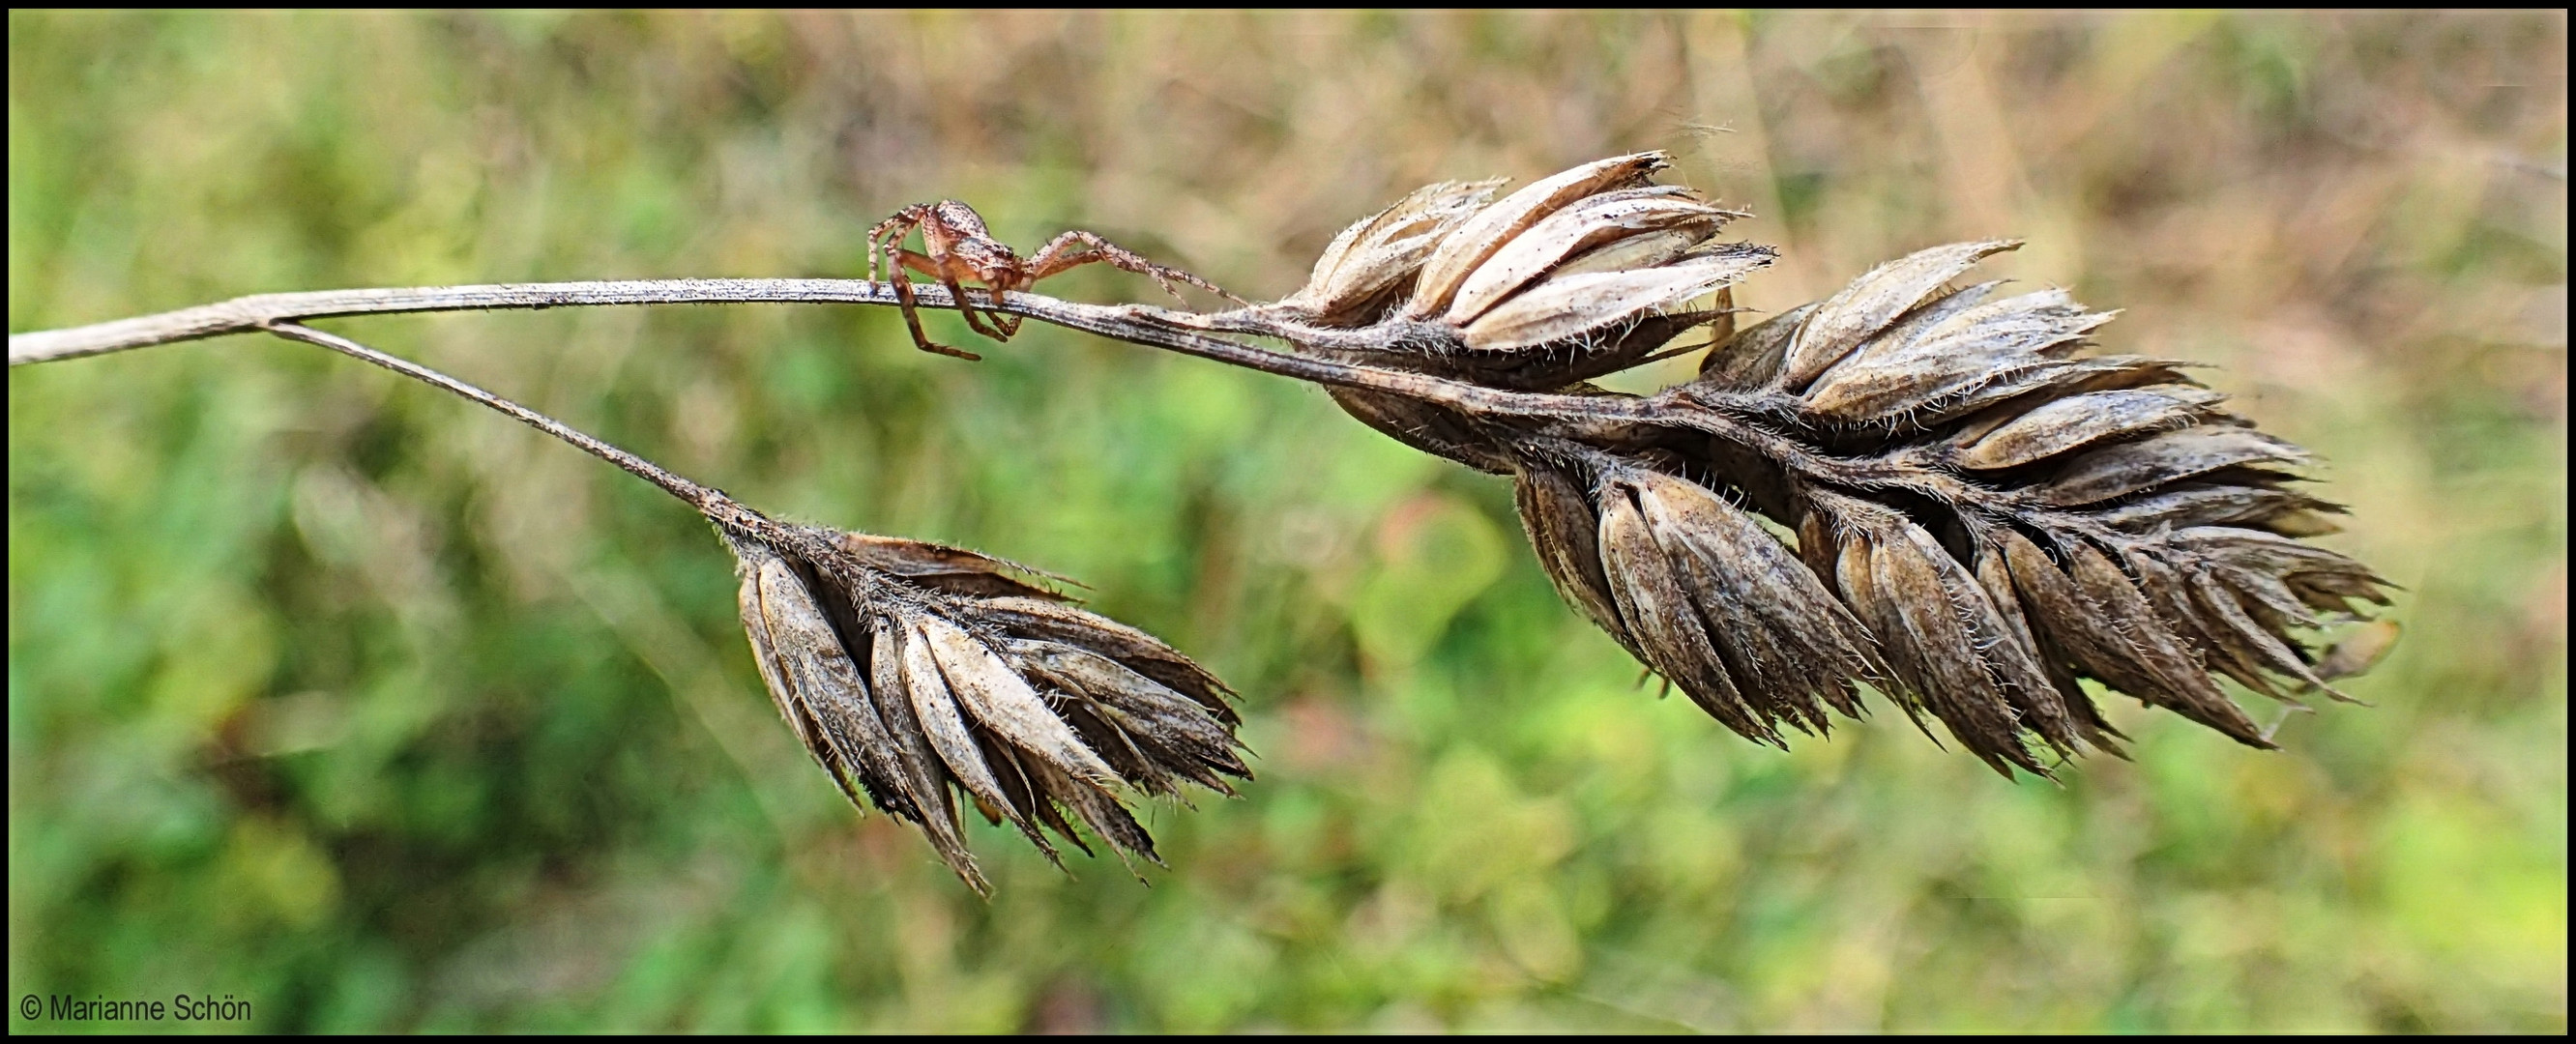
(1154, 327)
(691, 493)
(1187, 333)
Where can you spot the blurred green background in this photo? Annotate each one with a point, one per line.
(383, 712)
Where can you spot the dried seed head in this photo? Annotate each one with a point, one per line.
(1379, 255)
(1695, 588)
(1476, 239)
(1640, 225)
(2055, 427)
(1986, 512)
(2109, 520)
(1588, 313)
(1567, 271)
(1872, 302)
(1574, 276)
(1984, 517)
(914, 672)
(1957, 643)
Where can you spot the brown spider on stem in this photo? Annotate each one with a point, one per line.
(956, 248)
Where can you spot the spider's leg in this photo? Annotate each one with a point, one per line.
(1060, 254)
(955, 273)
(1005, 325)
(949, 278)
(973, 321)
(888, 237)
(911, 308)
(920, 262)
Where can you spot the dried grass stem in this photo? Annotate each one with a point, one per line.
(1750, 420)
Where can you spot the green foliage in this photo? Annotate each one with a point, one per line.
(339, 695)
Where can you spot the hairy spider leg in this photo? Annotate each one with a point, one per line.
(911, 310)
(884, 247)
(957, 292)
(890, 232)
(949, 276)
(1077, 248)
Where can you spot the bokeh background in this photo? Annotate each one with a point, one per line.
(383, 712)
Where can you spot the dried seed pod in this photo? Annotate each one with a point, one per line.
(1694, 587)
(1477, 238)
(1562, 366)
(2247, 505)
(1556, 511)
(1647, 222)
(1985, 512)
(1872, 303)
(2088, 613)
(1956, 651)
(1573, 311)
(1435, 430)
(2145, 535)
(2077, 420)
(798, 652)
(1754, 356)
(1916, 365)
(908, 669)
(2136, 467)
(1642, 249)
(1378, 256)
(2026, 382)
(1575, 276)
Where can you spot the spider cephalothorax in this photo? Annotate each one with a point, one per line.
(956, 249)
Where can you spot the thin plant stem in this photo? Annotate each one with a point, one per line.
(1187, 333)
(250, 314)
(700, 497)
(1137, 324)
